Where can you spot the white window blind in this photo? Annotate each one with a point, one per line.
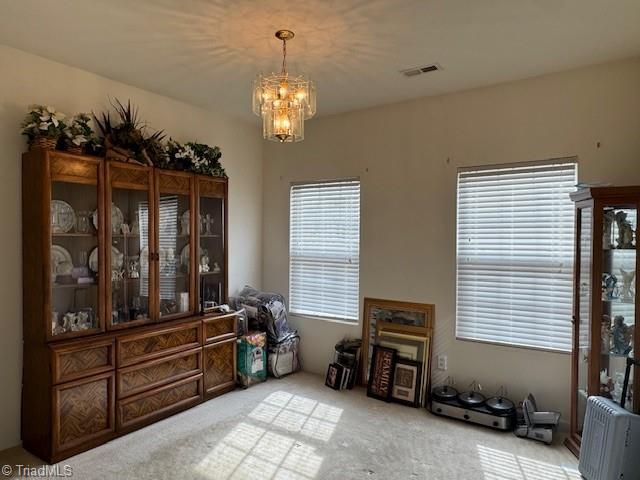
(515, 255)
(324, 249)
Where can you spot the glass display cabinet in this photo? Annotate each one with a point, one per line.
(74, 194)
(176, 200)
(605, 300)
(120, 320)
(212, 259)
(130, 236)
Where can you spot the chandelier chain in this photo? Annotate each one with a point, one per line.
(284, 56)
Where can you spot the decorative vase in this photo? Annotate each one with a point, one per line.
(45, 143)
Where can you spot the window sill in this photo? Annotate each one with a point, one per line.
(352, 323)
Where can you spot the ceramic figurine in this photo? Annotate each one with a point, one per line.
(616, 393)
(606, 384)
(184, 223)
(621, 335)
(609, 286)
(627, 280)
(68, 321)
(133, 267)
(625, 231)
(135, 224)
(605, 334)
(204, 263)
(607, 229)
(208, 224)
(216, 267)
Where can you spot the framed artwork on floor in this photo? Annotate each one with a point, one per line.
(395, 316)
(411, 347)
(407, 378)
(382, 370)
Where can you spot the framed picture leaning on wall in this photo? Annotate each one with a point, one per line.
(401, 317)
(407, 380)
(382, 370)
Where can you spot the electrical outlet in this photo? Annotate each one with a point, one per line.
(442, 362)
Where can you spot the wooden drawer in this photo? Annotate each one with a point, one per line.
(83, 413)
(147, 407)
(220, 367)
(220, 327)
(75, 360)
(147, 375)
(158, 342)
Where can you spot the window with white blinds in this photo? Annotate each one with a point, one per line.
(515, 234)
(324, 249)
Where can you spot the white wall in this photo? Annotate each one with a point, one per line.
(407, 155)
(28, 79)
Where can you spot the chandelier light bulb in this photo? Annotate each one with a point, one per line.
(284, 101)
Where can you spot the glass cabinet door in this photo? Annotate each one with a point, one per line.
(130, 233)
(175, 244)
(211, 241)
(583, 320)
(75, 302)
(618, 315)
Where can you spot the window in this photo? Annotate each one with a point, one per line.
(324, 249)
(515, 254)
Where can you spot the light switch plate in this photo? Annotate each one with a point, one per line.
(442, 362)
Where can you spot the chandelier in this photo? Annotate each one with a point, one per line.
(284, 101)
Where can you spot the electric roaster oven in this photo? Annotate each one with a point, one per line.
(497, 412)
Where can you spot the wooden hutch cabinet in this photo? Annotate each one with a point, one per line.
(116, 334)
(605, 300)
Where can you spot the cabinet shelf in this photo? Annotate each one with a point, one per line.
(73, 285)
(211, 236)
(616, 301)
(74, 235)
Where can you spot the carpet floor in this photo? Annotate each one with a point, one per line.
(298, 429)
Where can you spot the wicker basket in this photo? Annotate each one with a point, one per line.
(75, 149)
(45, 143)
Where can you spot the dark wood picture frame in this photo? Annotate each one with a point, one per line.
(334, 376)
(381, 376)
(416, 368)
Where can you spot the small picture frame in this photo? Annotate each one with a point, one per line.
(334, 376)
(407, 379)
(381, 374)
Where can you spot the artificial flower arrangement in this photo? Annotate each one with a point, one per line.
(79, 134)
(194, 157)
(128, 140)
(125, 139)
(43, 126)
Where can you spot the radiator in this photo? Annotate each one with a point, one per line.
(610, 448)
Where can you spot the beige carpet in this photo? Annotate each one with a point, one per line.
(296, 428)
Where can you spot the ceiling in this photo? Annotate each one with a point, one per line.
(206, 52)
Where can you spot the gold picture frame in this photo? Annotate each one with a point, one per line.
(393, 316)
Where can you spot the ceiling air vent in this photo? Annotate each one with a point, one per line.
(413, 72)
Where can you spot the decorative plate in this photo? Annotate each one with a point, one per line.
(117, 219)
(117, 259)
(63, 218)
(184, 255)
(61, 262)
